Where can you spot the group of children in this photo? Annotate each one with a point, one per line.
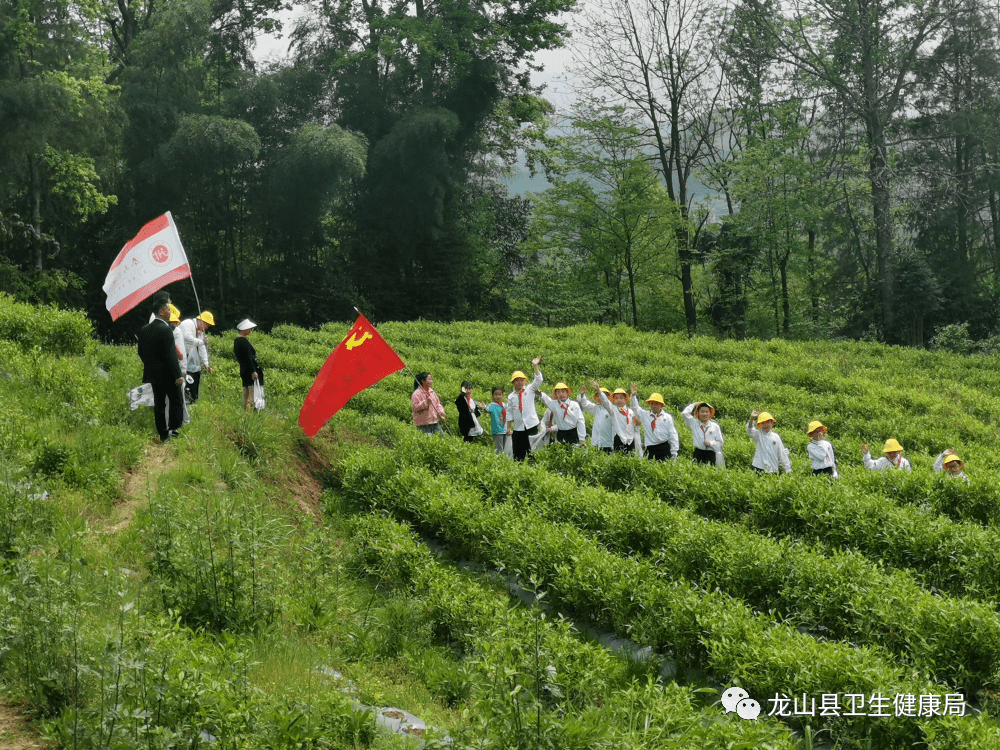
(618, 418)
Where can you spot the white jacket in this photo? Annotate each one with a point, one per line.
(195, 350)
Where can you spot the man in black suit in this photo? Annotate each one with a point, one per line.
(161, 368)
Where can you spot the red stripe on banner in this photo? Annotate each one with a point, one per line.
(154, 227)
(181, 272)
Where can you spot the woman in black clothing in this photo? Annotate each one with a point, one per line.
(468, 410)
(246, 355)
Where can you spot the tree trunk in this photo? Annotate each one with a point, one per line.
(785, 306)
(813, 284)
(36, 211)
(878, 168)
(631, 284)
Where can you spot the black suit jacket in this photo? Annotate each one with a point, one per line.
(158, 353)
(465, 423)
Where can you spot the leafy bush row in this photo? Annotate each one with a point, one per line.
(943, 555)
(627, 595)
(49, 328)
(842, 595)
(533, 664)
(955, 557)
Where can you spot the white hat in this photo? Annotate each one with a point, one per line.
(245, 325)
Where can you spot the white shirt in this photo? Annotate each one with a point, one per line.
(521, 414)
(884, 463)
(821, 455)
(663, 432)
(621, 420)
(179, 343)
(771, 451)
(602, 433)
(195, 350)
(567, 415)
(702, 432)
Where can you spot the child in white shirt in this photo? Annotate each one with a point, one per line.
(705, 432)
(820, 450)
(602, 434)
(893, 458)
(623, 421)
(771, 452)
(661, 435)
(949, 462)
(568, 423)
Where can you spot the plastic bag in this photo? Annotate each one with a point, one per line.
(258, 396)
(141, 396)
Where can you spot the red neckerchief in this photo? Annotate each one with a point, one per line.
(565, 408)
(520, 401)
(653, 426)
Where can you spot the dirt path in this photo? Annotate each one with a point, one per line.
(139, 483)
(14, 731)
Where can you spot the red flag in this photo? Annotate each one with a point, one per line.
(150, 261)
(362, 359)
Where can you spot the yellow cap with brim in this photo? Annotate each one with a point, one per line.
(517, 374)
(656, 398)
(764, 417)
(174, 311)
(561, 387)
(175, 318)
(207, 317)
(891, 446)
(952, 459)
(622, 391)
(814, 425)
(700, 404)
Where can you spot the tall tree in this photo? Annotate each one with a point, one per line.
(607, 206)
(655, 56)
(432, 86)
(864, 53)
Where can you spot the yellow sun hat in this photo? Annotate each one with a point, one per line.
(765, 417)
(605, 390)
(657, 398)
(207, 317)
(174, 311)
(174, 317)
(952, 459)
(704, 403)
(517, 374)
(561, 386)
(622, 391)
(892, 445)
(815, 425)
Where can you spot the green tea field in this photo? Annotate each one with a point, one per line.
(243, 586)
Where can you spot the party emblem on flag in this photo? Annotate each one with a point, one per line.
(362, 359)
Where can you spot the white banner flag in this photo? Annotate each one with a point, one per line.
(150, 261)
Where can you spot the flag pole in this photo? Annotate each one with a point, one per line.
(197, 302)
